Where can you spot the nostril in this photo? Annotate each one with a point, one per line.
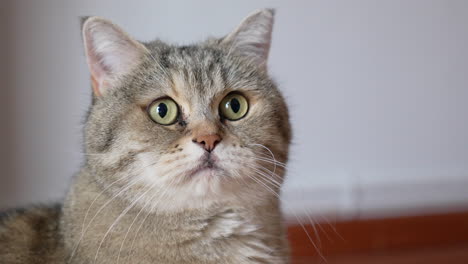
(208, 142)
(199, 141)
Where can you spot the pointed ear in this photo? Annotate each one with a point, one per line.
(252, 38)
(110, 52)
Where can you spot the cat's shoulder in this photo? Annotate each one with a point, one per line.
(30, 215)
(29, 233)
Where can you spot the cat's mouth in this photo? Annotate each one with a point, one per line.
(207, 166)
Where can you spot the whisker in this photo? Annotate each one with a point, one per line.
(118, 219)
(148, 214)
(269, 178)
(311, 222)
(273, 181)
(297, 219)
(276, 163)
(95, 199)
(131, 183)
(133, 222)
(271, 152)
(308, 215)
(333, 228)
(278, 185)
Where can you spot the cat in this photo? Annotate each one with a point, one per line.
(185, 152)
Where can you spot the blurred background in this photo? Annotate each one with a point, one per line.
(378, 93)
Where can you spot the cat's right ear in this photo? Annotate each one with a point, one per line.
(252, 38)
(110, 52)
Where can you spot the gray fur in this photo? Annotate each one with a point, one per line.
(113, 210)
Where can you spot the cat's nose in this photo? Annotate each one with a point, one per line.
(208, 142)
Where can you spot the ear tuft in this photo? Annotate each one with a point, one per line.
(110, 52)
(252, 38)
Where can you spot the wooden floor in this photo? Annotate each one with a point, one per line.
(428, 239)
(441, 255)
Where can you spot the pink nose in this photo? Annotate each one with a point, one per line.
(208, 142)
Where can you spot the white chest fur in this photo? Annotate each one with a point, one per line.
(229, 237)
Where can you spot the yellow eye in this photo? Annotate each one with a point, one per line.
(234, 107)
(163, 111)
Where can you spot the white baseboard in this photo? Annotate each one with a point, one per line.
(376, 200)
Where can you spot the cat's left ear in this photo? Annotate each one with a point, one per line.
(252, 38)
(110, 52)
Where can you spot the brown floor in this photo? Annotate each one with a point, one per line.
(440, 255)
(423, 239)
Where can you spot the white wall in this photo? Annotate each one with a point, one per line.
(6, 181)
(378, 93)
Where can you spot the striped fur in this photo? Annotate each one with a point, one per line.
(134, 200)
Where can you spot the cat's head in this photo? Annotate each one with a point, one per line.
(185, 126)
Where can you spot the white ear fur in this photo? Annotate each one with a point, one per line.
(110, 52)
(252, 38)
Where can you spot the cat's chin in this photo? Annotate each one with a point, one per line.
(204, 172)
(201, 188)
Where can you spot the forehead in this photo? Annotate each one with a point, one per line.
(195, 75)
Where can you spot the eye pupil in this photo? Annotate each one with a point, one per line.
(235, 105)
(162, 110)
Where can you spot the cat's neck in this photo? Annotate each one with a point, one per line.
(108, 227)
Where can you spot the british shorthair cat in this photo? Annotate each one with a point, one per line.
(185, 152)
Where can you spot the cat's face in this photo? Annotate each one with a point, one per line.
(183, 127)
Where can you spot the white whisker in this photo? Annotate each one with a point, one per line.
(131, 183)
(118, 219)
(148, 214)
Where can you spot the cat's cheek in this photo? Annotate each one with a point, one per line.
(231, 156)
